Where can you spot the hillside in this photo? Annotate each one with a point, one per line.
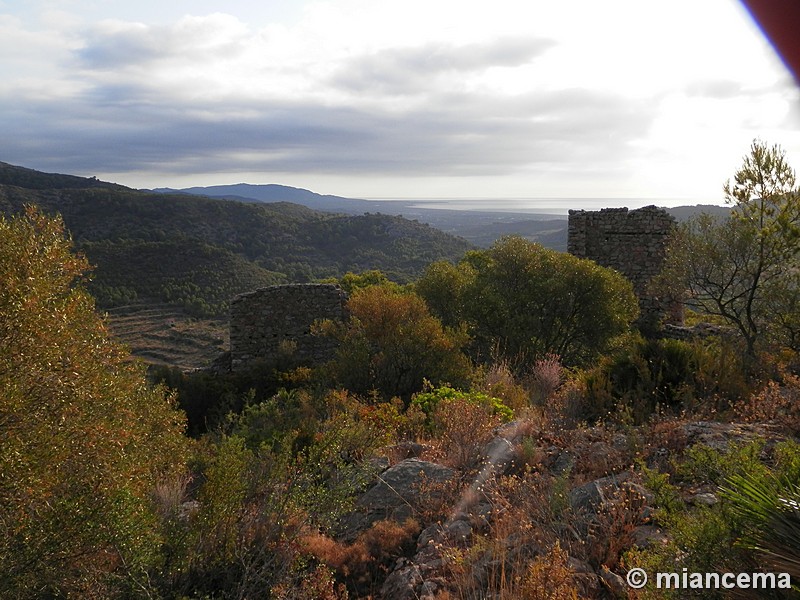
(479, 227)
(195, 253)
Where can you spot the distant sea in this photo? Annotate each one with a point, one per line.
(554, 206)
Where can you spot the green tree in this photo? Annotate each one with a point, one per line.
(350, 282)
(444, 286)
(525, 301)
(783, 306)
(391, 343)
(83, 438)
(744, 268)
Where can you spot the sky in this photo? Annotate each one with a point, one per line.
(395, 99)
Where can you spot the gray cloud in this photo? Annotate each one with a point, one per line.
(123, 121)
(405, 70)
(115, 46)
(107, 50)
(117, 129)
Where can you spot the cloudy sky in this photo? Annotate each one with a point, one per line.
(391, 98)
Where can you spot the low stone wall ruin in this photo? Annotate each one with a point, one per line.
(278, 319)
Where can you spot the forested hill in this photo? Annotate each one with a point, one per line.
(198, 252)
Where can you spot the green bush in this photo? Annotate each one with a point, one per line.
(703, 464)
(428, 401)
(646, 376)
(84, 440)
(754, 526)
(521, 301)
(391, 344)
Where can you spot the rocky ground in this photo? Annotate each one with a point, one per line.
(475, 525)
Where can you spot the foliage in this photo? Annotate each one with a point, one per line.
(666, 496)
(777, 402)
(547, 375)
(196, 252)
(748, 530)
(199, 278)
(744, 268)
(647, 376)
(498, 381)
(549, 577)
(463, 428)
(770, 507)
(352, 282)
(444, 287)
(704, 464)
(523, 301)
(207, 397)
(429, 400)
(255, 508)
(83, 438)
(267, 424)
(361, 563)
(392, 344)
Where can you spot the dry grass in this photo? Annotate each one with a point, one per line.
(778, 402)
(549, 577)
(499, 382)
(465, 428)
(368, 559)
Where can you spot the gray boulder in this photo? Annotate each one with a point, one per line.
(396, 495)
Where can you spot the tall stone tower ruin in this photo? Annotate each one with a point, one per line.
(632, 242)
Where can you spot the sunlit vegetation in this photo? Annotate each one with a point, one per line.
(85, 440)
(520, 301)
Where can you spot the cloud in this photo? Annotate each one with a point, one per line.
(452, 134)
(407, 70)
(211, 94)
(118, 44)
(423, 91)
(718, 89)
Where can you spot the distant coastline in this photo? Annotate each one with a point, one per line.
(552, 206)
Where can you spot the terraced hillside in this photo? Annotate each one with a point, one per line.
(163, 334)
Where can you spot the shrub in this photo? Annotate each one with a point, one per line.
(777, 402)
(428, 402)
(498, 381)
(547, 375)
(650, 376)
(549, 577)
(392, 344)
(255, 506)
(464, 429)
(364, 562)
(83, 438)
(746, 530)
(703, 464)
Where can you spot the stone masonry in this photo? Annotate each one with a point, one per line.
(631, 242)
(278, 319)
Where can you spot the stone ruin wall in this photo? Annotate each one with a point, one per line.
(264, 319)
(632, 242)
